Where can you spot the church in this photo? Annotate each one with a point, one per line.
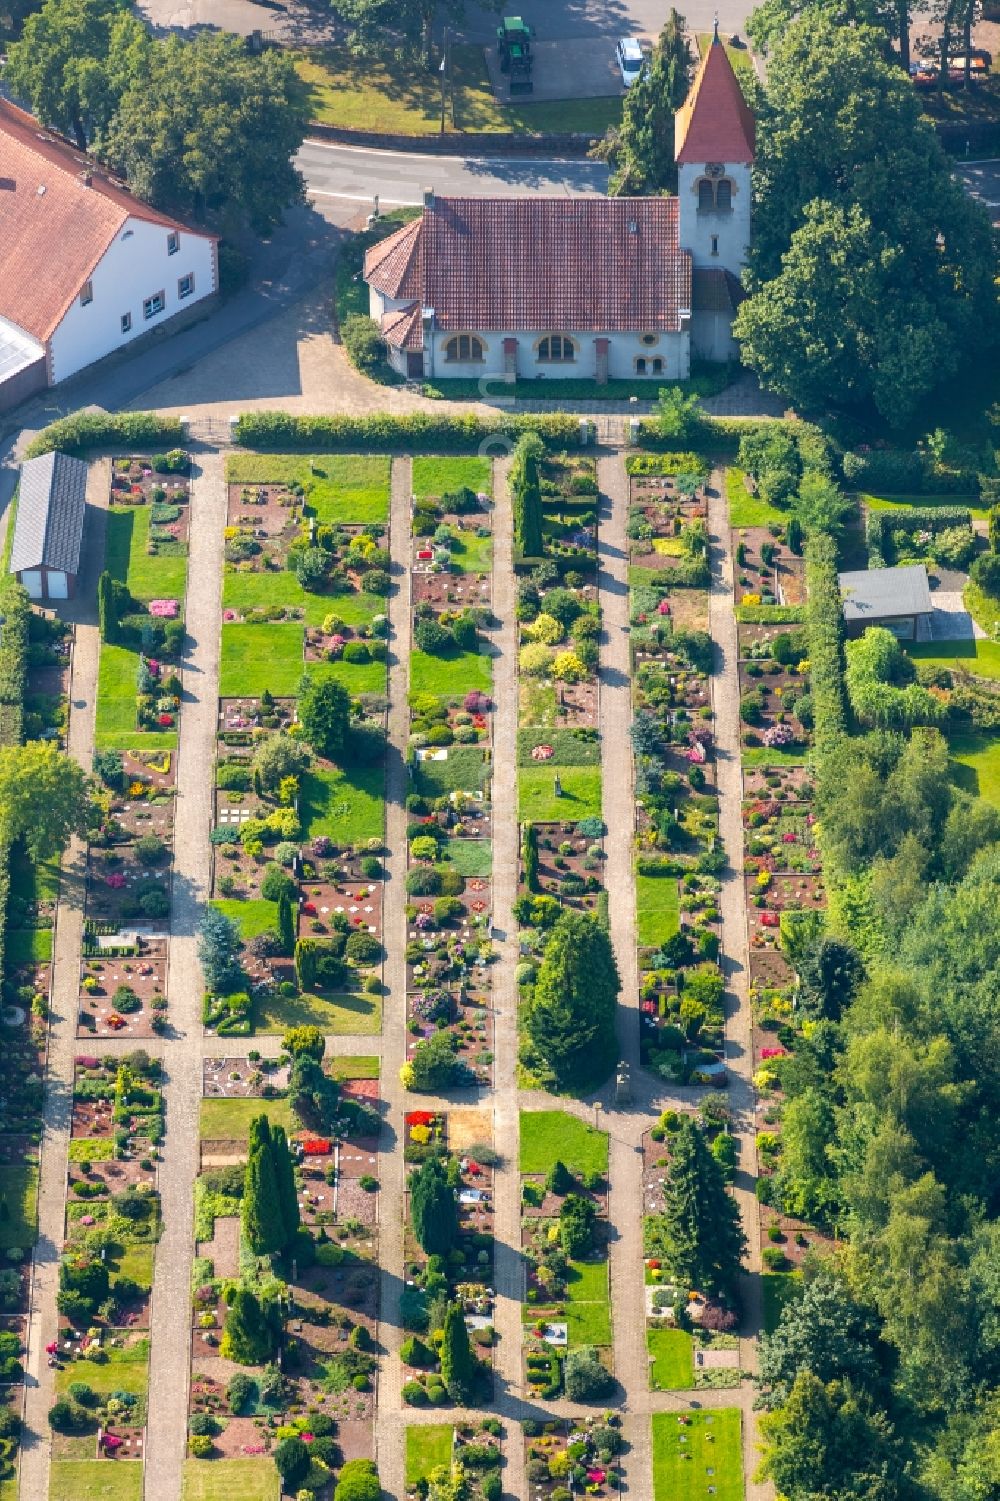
(595, 288)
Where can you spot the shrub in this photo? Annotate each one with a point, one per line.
(584, 1377)
(364, 948)
(416, 432)
(365, 346)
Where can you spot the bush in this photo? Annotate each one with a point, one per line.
(200, 1446)
(584, 1377)
(382, 432)
(364, 948)
(985, 572)
(126, 430)
(365, 346)
(358, 1481)
(240, 1392)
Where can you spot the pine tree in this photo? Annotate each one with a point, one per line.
(284, 1173)
(704, 1241)
(570, 1023)
(641, 149)
(458, 1364)
(262, 1213)
(286, 924)
(433, 1207)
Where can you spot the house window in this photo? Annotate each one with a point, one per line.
(724, 196)
(658, 366)
(652, 366)
(86, 293)
(648, 339)
(464, 349)
(173, 243)
(715, 244)
(126, 323)
(706, 196)
(640, 367)
(557, 349)
(185, 285)
(153, 305)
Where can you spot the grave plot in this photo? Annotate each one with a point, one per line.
(465, 1016)
(129, 883)
(769, 698)
(326, 1330)
(766, 570)
(123, 994)
(137, 479)
(266, 511)
(472, 1447)
(450, 1212)
(564, 1239)
(582, 1454)
(452, 537)
(562, 861)
(46, 695)
(697, 1455)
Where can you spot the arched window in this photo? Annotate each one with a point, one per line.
(464, 349)
(724, 195)
(640, 367)
(706, 196)
(658, 366)
(557, 349)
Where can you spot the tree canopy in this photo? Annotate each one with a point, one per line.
(570, 1020)
(44, 798)
(703, 1241)
(641, 149)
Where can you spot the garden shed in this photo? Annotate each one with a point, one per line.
(48, 531)
(897, 598)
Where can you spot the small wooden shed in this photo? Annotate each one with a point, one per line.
(48, 531)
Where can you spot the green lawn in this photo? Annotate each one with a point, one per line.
(357, 677)
(19, 1192)
(28, 946)
(588, 1307)
(229, 1480)
(464, 769)
(248, 591)
(777, 1289)
(713, 1441)
(356, 1066)
(975, 756)
(979, 657)
(537, 802)
(569, 747)
(924, 502)
(255, 916)
(255, 657)
(136, 1262)
(124, 1371)
(347, 806)
(551, 1135)
(352, 91)
(470, 857)
(472, 554)
(426, 1448)
(96, 1480)
(746, 509)
(437, 476)
(764, 755)
(229, 1120)
(116, 694)
(126, 557)
(450, 676)
(672, 1369)
(657, 912)
(335, 1015)
(342, 487)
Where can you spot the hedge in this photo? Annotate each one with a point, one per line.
(723, 434)
(15, 607)
(666, 463)
(106, 430)
(770, 614)
(414, 432)
(881, 524)
(895, 471)
(825, 623)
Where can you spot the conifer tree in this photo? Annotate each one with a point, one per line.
(251, 1331)
(286, 924)
(458, 1364)
(703, 1239)
(641, 148)
(529, 855)
(262, 1214)
(570, 1023)
(284, 1173)
(527, 494)
(433, 1207)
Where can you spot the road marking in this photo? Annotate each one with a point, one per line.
(362, 197)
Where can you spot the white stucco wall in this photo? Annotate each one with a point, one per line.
(623, 351)
(133, 268)
(712, 337)
(731, 226)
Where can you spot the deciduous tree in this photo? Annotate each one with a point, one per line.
(44, 798)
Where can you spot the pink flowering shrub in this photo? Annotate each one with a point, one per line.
(778, 734)
(165, 609)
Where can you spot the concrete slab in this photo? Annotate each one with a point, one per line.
(950, 620)
(575, 68)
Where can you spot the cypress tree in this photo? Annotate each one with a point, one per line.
(284, 1173)
(570, 1023)
(305, 963)
(527, 494)
(433, 1208)
(261, 1213)
(251, 1331)
(704, 1241)
(286, 924)
(530, 857)
(458, 1364)
(106, 618)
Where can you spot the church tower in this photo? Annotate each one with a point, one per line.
(714, 150)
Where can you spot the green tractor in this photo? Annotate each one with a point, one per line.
(514, 50)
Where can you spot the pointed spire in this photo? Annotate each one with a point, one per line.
(714, 124)
(715, 39)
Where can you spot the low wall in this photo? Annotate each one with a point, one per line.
(460, 143)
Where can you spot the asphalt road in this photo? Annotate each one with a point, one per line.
(982, 180)
(351, 172)
(579, 18)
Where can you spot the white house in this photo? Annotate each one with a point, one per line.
(85, 267)
(598, 288)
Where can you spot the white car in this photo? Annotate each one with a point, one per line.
(630, 60)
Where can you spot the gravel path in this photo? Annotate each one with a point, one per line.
(390, 1429)
(170, 1349)
(57, 1110)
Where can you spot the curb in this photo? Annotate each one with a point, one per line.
(459, 143)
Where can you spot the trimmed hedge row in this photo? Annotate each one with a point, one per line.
(106, 430)
(15, 607)
(415, 432)
(770, 614)
(881, 524)
(898, 471)
(825, 625)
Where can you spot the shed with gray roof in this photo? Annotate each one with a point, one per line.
(48, 532)
(896, 598)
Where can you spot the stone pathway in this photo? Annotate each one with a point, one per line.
(389, 1425)
(57, 1112)
(170, 1347)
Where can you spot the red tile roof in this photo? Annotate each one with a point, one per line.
(606, 265)
(715, 124)
(403, 328)
(54, 225)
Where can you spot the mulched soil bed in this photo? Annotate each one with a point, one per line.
(146, 977)
(266, 509)
(752, 577)
(449, 591)
(136, 482)
(112, 904)
(794, 1233)
(577, 705)
(360, 903)
(240, 1078)
(242, 716)
(574, 864)
(781, 782)
(471, 1024)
